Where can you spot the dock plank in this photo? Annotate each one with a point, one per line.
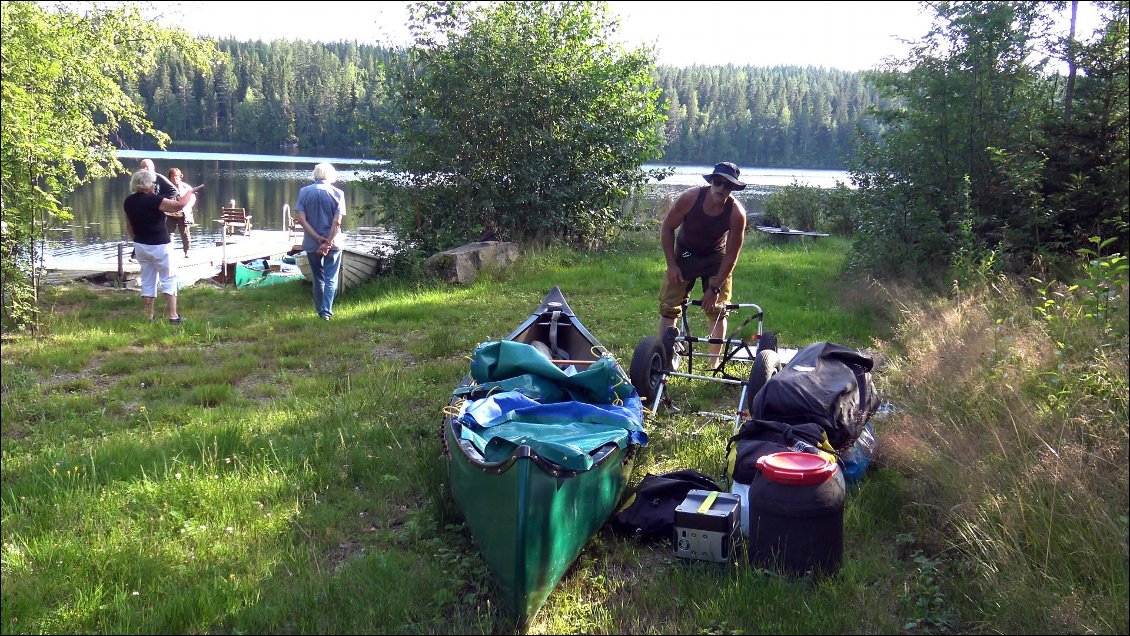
(238, 248)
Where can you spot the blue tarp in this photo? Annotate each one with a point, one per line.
(562, 415)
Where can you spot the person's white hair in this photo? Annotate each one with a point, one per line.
(326, 172)
(142, 180)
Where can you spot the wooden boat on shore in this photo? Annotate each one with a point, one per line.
(356, 268)
(539, 440)
(786, 233)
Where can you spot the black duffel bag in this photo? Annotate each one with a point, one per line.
(651, 510)
(757, 438)
(825, 383)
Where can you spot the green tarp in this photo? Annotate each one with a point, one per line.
(519, 397)
(251, 277)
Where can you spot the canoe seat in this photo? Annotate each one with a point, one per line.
(233, 218)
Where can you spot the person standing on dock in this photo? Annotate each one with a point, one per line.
(145, 220)
(165, 188)
(179, 224)
(319, 211)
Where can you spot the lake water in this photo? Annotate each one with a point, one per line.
(264, 184)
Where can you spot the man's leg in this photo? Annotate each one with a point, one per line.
(718, 330)
(316, 279)
(184, 237)
(331, 264)
(671, 299)
(719, 323)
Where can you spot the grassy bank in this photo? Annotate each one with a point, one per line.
(256, 470)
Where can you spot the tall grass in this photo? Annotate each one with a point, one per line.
(1012, 431)
(255, 470)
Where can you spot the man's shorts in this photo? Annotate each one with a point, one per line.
(694, 268)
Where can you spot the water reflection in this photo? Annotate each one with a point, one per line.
(264, 184)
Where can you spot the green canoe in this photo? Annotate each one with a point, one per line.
(539, 441)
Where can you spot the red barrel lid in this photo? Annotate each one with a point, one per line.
(796, 469)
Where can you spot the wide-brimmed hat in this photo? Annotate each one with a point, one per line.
(729, 172)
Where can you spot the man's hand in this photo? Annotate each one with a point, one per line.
(710, 301)
(675, 276)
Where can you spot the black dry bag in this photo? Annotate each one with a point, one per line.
(651, 510)
(825, 383)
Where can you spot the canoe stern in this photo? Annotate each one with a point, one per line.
(529, 523)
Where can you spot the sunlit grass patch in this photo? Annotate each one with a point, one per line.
(988, 507)
(211, 395)
(168, 532)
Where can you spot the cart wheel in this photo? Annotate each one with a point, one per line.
(647, 369)
(763, 369)
(767, 342)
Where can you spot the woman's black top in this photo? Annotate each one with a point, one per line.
(143, 210)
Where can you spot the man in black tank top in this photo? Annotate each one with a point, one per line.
(711, 231)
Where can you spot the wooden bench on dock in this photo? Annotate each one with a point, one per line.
(233, 218)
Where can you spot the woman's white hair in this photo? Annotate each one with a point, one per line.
(326, 172)
(141, 181)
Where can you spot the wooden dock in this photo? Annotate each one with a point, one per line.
(202, 262)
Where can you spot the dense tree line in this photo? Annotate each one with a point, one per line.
(267, 95)
(986, 159)
(336, 97)
(778, 116)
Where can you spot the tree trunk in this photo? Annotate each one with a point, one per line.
(1070, 92)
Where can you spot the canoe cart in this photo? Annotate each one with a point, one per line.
(748, 358)
(539, 440)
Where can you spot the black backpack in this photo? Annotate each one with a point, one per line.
(651, 510)
(758, 438)
(827, 384)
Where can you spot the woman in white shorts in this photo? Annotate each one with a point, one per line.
(145, 221)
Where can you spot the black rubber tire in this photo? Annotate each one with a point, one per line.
(763, 369)
(767, 342)
(646, 373)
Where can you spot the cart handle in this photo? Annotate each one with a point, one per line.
(729, 306)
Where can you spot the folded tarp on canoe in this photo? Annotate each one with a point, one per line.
(520, 398)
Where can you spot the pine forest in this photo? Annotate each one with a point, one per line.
(332, 98)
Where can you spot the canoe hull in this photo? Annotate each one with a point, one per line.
(356, 268)
(529, 524)
(529, 517)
